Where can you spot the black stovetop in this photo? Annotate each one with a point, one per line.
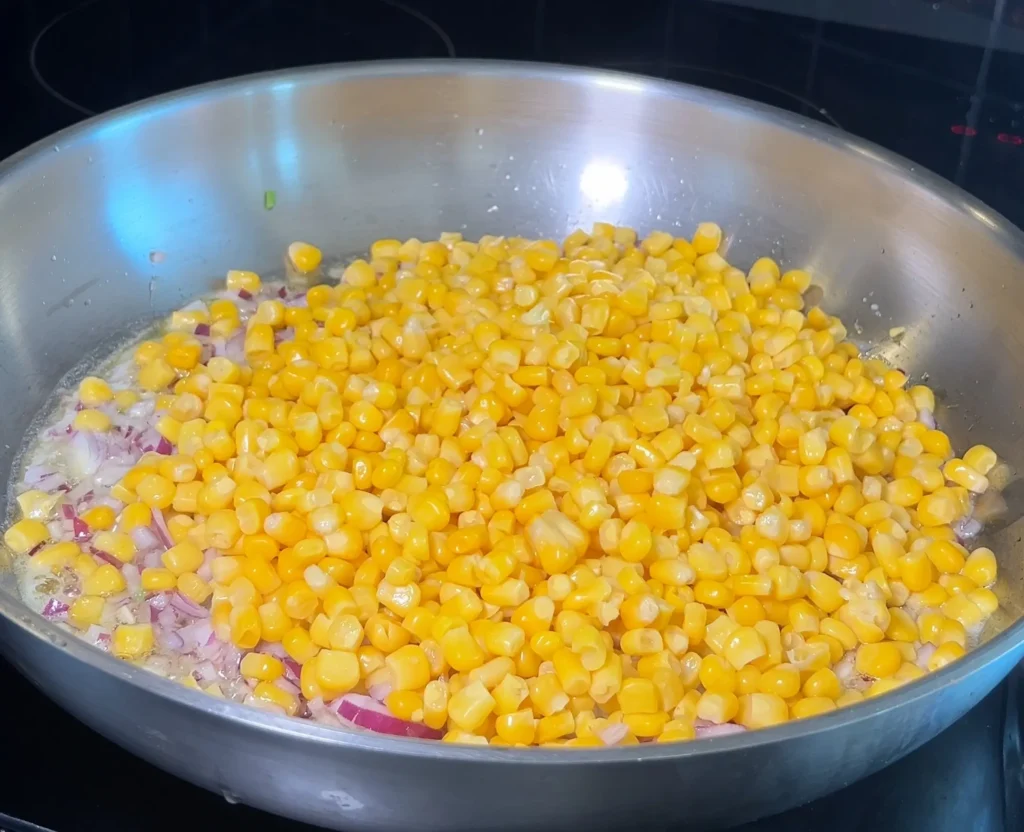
(939, 82)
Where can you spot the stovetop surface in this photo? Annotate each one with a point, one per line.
(939, 82)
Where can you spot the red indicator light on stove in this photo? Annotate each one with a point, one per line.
(1010, 138)
(963, 130)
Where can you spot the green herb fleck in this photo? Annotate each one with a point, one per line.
(269, 200)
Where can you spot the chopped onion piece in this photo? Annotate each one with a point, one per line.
(365, 712)
(188, 607)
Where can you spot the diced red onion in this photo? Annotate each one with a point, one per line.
(132, 579)
(140, 413)
(380, 692)
(245, 294)
(151, 558)
(206, 672)
(112, 471)
(288, 686)
(188, 607)
(320, 711)
(106, 557)
(292, 669)
(158, 601)
(159, 526)
(81, 529)
(197, 634)
(144, 538)
(205, 571)
(202, 329)
(273, 648)
(167, 619)
(42, 477)
(68, 511)
(365, 712)
(282, 292)
(80, 495)
(164, 446)
(149, 440)
(88, 453)
(98, 636)
(967, 528)
(710, 729)
(55, 609)
(924, 654)
(613, 734)
(169, 640)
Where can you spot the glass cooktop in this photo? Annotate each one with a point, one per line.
(939, 82)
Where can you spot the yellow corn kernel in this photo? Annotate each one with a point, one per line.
(880, 660)
(811, 706)
(944, 654)
(105, 581)
(85, 611)
(304, 257)
(981, 566)
(132, 641)
(761, 710)
(25, 535)
(470, 706)
(517, 727)
(185, 557)
(718, 707)
(409, 666)
(337, 671)
(261, 666)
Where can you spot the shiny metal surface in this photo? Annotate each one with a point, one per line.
(402, 149)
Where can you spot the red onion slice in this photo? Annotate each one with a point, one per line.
(365, 712)
(197, 634)
(88, 453)
(188, 607)
(292, 669)
(106, 557)
(159, 526)
(705, 729)
(288, 686)
(42, 477)
(273, 648)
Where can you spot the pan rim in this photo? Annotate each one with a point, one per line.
(1004, 232)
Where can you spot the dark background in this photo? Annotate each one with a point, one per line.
(939, 82)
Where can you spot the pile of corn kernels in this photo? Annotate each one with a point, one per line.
(528, 493)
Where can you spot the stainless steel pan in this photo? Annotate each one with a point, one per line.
(402, 149)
